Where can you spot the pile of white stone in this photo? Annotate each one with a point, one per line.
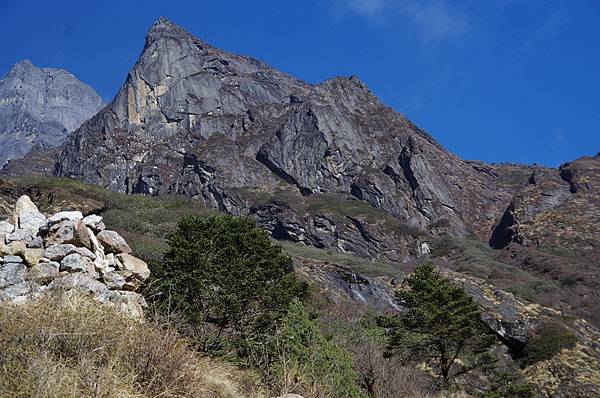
(67, 253)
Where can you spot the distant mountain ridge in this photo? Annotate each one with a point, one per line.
(39, 107)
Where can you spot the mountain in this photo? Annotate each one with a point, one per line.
(330, 166)
(324, 164)
(39, 107)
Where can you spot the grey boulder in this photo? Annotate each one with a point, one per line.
(113, 242)
(94, 222)
(57, 252)
(65, 215)
(27, 216)
(11, 274)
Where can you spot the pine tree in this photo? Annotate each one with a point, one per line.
(225, 271)
(442, 325)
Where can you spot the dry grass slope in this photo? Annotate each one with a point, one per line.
(74, 347)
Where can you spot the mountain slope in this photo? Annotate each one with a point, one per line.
(243, 137)
(39, 107)
(339, 281)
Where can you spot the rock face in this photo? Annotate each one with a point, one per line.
(227, 129)
(557, 208)
(573, 372)
(61, 253)
(39, 107)
(346, 288)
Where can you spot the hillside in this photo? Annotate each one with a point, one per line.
(342, 282)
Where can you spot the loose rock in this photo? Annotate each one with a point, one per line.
(58, 251)
(32, 256)
(94, 222)
(65, 215)
(113, 242)
(11, 274)
(44, 272)
(76, 263)
(74, 259)
(27, 216)
(137, 267)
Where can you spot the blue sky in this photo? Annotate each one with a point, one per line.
(494, 80)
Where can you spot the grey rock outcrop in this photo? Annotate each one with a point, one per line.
(555, 208)
(39, 107)
(62, 254)
(227, 129)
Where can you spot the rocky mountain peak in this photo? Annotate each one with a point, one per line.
(21, 66)
(198, 121)
(39, 107)
(164, 28)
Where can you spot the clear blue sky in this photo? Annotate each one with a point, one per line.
(495, 80)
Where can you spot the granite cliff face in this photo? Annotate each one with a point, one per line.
(39, 107)
(245, 138)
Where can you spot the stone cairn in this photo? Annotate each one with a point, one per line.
(67, 253)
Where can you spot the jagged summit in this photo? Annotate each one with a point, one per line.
(26, 67)
(166, 29)
(24, 63)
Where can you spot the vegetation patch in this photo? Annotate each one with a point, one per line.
(363, 266)
(473, 257)
(229, 279)
(309, 363)
(549, 339)
(441, 326)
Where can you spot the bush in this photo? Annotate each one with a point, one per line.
(505, 381)
(74, 347)
(225, 272)
(310, 364)
(549, 339)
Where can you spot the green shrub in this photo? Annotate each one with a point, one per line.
(225, 272)
(309, 363)
(549, 339)
(505, 381)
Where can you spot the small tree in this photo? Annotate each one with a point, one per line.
(442, 325)
(225, 271)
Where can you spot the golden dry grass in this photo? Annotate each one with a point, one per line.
(74, 347)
